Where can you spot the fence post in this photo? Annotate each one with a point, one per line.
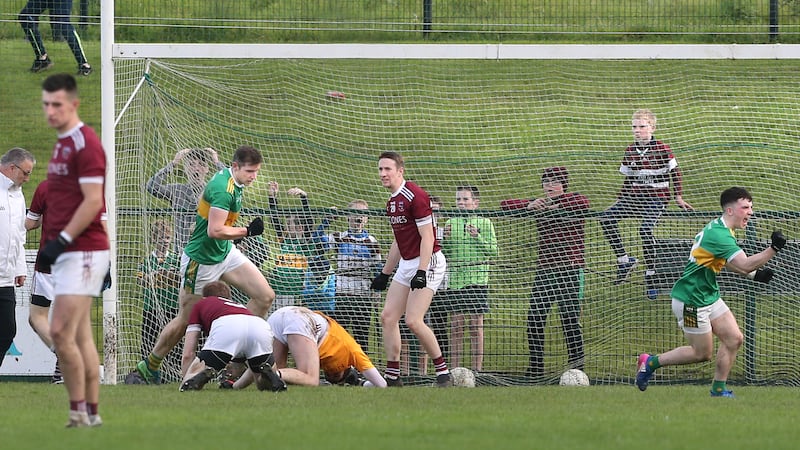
(773, 20)
(427, 17)
(750, 311)
(84, 15)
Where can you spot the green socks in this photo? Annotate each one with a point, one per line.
(154, 362)
(652, 363)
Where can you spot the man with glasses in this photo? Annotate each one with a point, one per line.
(16, 167)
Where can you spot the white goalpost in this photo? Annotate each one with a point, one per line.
(492, 116)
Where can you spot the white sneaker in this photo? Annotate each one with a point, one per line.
(78, 419)
(95, 420)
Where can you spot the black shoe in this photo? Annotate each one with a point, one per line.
(84, 70)
(394, 382)
(41, 64)
(444, 380)
(269, 379)
(198, 381)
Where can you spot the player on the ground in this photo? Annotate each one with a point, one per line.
(77, 247)
(211, 256)
(420, 264)
(696, 301)
(231, 331)
(316, 342)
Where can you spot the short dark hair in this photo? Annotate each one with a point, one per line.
(217, 289)
(199, 154)
(559, 174)
(732, 194)
(394, 156)
(245, 155)
(474, 189)
(60, 81)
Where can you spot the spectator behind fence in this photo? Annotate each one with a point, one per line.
(159, 278)
(560, 267)
(301, 254)
(358, 259)
(184, 197)
(469, 244)
(60, 13)
(648, 166)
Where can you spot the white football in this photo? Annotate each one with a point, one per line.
(462, 377)
(574, 377)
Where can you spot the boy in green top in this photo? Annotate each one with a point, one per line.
(159, 279)
(211, 256)
(696, 301)
(298, 250)
(469, 243)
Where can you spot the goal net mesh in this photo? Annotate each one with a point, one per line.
(493, 124)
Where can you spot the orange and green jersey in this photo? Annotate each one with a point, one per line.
(713, 247)
(224, 193)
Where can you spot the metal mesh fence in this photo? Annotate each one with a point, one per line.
(743, 21)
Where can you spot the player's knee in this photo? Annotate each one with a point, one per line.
(735, 341)
(703, 354)
(415, 325)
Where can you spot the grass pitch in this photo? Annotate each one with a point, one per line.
(551, 417)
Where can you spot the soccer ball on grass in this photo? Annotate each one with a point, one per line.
(462, 377)
(574, 377)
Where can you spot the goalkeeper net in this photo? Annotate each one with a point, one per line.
(493, 123)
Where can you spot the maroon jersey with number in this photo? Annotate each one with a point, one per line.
(648, 169)
(208, 309)
(78, 158)
(409, 208)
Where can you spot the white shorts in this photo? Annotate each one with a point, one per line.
(298, 320)
(240, 335)
(436, 271)
(42, 286)
(194, 276)
(80, 273)
(694, 320)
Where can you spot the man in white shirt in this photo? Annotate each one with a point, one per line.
(16, 166)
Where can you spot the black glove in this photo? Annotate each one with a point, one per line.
(778, 240)
(379, 283)
(52, 250)
(107, 280)
(420, 280)
(764, 275)
(256, 227)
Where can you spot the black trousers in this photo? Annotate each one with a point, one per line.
(8, 320)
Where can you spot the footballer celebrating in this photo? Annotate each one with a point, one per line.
(211, 256)
(696, 301)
